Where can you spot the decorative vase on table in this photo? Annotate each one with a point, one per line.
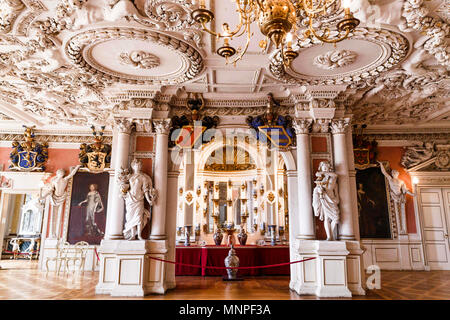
(273, 236)
(242, 237)
(218, 236)
(187, 235)
(232, 261)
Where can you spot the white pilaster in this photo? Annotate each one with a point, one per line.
(171, 224)
(160, 179)
(352, 176)
(294, 225)
(306, 222)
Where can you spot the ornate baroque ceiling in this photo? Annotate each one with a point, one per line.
(79, 61)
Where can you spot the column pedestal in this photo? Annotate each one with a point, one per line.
(126, 269)
(336, 271)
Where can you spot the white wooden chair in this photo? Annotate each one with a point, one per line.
(77, 256)
(62, 253)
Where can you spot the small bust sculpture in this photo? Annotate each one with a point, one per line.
(135, 188)
(326, 199)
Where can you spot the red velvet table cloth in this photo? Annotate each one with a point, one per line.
(248, 256)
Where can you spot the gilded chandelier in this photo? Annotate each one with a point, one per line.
(277, 20)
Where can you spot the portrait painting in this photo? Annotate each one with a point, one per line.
(88, 207)
(373, 204)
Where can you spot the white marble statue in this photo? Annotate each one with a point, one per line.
(135, 188)
(326, 199)
(398, 191)
(56, 192)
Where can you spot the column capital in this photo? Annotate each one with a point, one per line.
(321, 125)
(124, 125)
(302, 126)
(339, 126)
(162, 126)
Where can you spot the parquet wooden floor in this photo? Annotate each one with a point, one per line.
(22, 280)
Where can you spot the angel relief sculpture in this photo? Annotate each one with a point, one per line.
(326, 199)
(136, 187)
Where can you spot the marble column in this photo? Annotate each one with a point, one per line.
(162, 128)
(114, 223)
(341, 165)
(305, 211)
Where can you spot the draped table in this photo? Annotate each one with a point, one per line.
(249, 255)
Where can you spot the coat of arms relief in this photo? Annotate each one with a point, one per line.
(95, 156)
(28, 155)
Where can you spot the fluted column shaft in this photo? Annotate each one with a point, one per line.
(115, 217)
(162, 128)
(341, 164)
(305, 211)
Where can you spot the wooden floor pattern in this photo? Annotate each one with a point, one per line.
(22, 280)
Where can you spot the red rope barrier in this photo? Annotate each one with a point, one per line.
(7, 251)
(212, 267)
(95, 250)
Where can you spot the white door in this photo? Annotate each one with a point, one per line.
(435, 208)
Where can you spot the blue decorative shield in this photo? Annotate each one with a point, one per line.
(27, 160)
(277, 135)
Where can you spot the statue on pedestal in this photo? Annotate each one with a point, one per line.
(398, 191)
(326, 199)
(56, 191)
(135, 188)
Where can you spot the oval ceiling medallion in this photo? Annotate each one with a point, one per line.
(366, 54)
(134, 55)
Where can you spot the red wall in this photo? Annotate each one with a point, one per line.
(57, 158)
(394, 155)
(4, 157)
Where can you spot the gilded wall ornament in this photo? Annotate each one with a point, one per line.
(95, 156)
(364, 150)
(28, 155)
(187, 130)
(271, 128)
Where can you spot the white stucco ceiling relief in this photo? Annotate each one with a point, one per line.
(373, 51)
(72, 62)
(99, 51)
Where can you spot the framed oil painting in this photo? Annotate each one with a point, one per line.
(88, 207)
(374, 209)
